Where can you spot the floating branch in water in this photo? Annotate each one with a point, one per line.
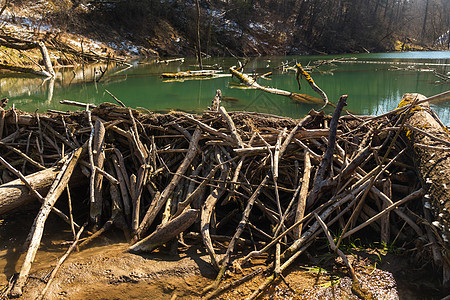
(251, 83)
(314, 86)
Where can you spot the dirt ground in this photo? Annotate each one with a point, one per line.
(106, 271)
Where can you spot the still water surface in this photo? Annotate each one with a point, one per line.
(374, 83)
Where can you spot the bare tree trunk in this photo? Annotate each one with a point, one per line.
(47, 71)
(46, 58)
(425, 20)
(199, 52)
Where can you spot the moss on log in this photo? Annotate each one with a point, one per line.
(430, 143)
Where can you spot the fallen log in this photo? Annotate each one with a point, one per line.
(166, 232)
(433, 166)
(167, 61)
(250, 82)
(317, 89)
(37, 230)
(188, 74)
(15, 194)
(47, 72)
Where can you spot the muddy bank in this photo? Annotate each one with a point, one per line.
(107, 271)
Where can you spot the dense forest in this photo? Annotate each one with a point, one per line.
(258, 27)
(254, 27)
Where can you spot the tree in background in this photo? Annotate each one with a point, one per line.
(294, 26)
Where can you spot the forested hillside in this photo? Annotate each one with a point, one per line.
(254, 27)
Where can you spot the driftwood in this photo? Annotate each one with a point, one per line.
(166, 232)
(314, 86)
(98, 160)
(190, 74)
(37, 230)
(15, 194)
(282, 182)
(250, 82)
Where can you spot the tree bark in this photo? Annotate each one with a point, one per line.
(166, 232)
(15, 194)
(428, 140)
(199, 50)
(37, 230)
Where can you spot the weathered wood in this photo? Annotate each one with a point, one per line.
(99, 159)
(240, 228)
(2, 121)
(215, 104)
(207, 210)
(320, 179)
(189, 74)
(159, 202)
(250, 82)
(433, 166)
(166, 232)
(301, 206)
(417, 194)
(196, 193)
(15, 194)
(78, 104)
(314, 86)
(49, 72)
(232, 127)
(37, 230)
(356, 163)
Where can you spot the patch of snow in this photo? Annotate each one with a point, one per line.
(74, 43)
(258, 27)
(133, 50)
(444, 38)
(251, 39)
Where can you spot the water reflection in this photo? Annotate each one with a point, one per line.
(374, 83)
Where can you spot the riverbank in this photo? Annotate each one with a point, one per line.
(227, 183)
(166, 29)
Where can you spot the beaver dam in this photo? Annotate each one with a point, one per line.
(241, 186)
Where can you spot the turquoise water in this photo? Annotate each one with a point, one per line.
(374, 84)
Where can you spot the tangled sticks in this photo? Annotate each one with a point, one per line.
(237, 178)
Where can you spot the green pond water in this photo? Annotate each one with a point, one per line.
(374, 84)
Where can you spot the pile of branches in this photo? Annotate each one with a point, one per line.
(231, 178)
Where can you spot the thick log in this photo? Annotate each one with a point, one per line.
(166, 232)
(15, 194)
(433, 166)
